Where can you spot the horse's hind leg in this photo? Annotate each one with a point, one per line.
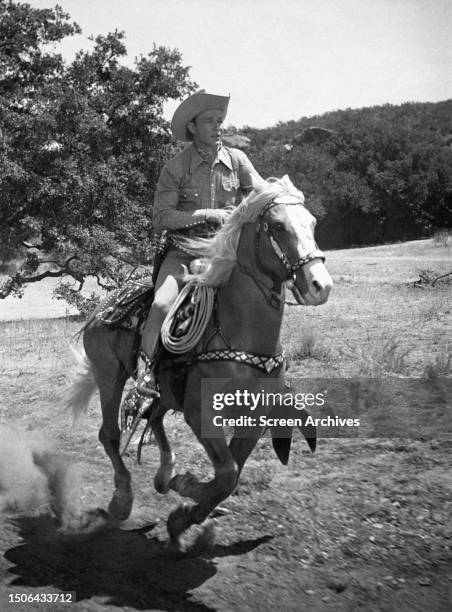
(166, 470)
(111, 381)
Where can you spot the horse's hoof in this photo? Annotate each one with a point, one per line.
(177, 523)
(87, 523)
(162, 481)
(185, 485)
(120, 506)
(175, 547)
(205, 538)
(160, 484)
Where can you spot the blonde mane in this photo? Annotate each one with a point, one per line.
(221, 250)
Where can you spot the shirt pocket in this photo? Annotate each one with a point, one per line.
(230, 182)
(189, 195)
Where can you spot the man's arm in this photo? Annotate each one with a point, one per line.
(167, 215)
(249, 177)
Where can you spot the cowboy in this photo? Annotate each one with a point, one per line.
(193, 193)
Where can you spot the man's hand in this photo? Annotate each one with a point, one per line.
(217, 216)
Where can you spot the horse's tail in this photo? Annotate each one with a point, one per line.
(90, 319)
(84, 385)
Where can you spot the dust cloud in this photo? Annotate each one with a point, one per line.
(33, 475)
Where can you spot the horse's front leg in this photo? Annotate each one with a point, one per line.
(242, 447)
(225, 469)
(207, 494)
(188, 485)
(111, 388)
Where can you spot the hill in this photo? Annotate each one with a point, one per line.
(371, 175)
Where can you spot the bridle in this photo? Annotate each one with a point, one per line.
(274, 295)
(265, 226)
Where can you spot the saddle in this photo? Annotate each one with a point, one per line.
(128, 306)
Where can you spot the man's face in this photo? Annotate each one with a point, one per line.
(206, 128)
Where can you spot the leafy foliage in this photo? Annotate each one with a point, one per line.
(81, 150)
(373, 175)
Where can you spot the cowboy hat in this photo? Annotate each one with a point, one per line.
(192, 106)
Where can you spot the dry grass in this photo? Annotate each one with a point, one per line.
(36, 364)
(440, 366)
(309, 347)
(442, 238)
(378, 357)
(375, 321)
(375, 324)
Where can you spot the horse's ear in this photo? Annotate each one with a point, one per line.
(281, 446)
(309, 431)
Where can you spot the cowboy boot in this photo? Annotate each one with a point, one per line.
(146, 387)
(138, 401)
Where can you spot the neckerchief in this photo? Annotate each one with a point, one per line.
(208, 155)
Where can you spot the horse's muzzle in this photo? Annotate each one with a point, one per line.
(313, 284)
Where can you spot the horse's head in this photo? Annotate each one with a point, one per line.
(285, 248)
(270, 234)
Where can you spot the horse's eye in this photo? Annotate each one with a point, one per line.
(278, 226)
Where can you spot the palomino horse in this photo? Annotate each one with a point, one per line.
(267, 240)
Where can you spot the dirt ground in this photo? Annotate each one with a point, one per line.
(362, 524)
(358, 526)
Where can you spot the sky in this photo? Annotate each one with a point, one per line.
(281, 60)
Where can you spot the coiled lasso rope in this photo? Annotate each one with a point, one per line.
(202, 300)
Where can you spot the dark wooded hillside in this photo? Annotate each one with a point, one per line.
(370, 175)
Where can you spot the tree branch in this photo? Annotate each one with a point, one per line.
(435, 280)
(103, 285)
(27, 245)
(46, 274)
(14, 283)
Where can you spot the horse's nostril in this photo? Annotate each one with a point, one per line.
(316, 285)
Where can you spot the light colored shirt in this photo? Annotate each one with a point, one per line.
(188, 186)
